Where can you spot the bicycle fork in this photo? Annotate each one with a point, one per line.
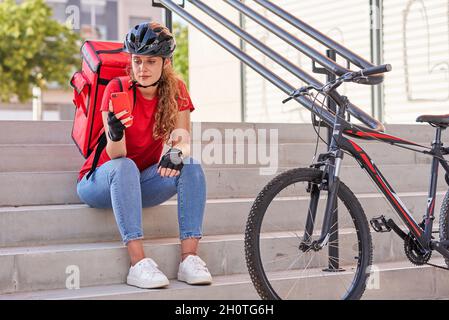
(330, 181)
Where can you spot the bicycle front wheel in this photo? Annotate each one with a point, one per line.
(278, 263)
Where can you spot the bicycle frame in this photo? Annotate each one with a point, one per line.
(334, 157)
(332, 162)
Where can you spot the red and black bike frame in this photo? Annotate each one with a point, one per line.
(422, 232)
(422, 235)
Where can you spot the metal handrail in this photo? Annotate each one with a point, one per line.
(320, 37)
(327, 63)
(298, 72)
(327, 117)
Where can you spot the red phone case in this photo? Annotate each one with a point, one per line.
(120, 102)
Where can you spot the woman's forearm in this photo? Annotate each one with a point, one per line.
(116, 149)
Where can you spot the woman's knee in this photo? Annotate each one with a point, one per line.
(190, 160)
(123, 165)
(93, 198)
(193, 169)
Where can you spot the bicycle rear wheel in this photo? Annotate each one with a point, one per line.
(444, 222)
(275, 228)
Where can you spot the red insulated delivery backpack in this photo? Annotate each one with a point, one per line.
(102, 62)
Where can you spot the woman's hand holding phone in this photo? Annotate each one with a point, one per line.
(120, 103)
(119, 107)
(127, 122)
(116, 127)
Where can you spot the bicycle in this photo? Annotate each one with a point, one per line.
(342, 267)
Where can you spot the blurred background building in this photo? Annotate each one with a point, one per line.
(412, 35)
(98, 19)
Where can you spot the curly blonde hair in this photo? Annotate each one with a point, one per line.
(168, 95)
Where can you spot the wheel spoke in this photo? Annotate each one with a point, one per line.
(292, 271)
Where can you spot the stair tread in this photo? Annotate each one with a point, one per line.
(153, 241)
(174, 202)
(381, 166)
(106, 291)
(286, 143)
(106, 245)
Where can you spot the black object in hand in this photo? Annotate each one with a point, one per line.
(172, 160)
(116, 127)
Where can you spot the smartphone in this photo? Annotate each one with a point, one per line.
(120, 102)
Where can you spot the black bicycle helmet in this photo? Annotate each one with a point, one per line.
(144, 40)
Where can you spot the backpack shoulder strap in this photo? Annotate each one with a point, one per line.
(102, 141)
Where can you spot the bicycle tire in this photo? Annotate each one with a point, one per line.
(444, 221)
(256, 215)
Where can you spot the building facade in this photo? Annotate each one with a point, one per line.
(412, 35)
(107, 20)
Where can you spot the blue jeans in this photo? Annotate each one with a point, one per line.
(118, 184)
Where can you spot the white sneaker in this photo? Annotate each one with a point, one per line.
(145, 274)
(193, 271)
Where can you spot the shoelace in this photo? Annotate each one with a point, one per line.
(153, 267)
(199, 265)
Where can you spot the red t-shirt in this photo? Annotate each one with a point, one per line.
(141, 147)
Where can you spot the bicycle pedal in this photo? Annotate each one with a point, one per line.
(380, 224)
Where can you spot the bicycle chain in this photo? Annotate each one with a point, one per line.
(414, 253)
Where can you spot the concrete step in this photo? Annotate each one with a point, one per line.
(32, 132)
(60, 224)
(59, 132)
(39, 157)
(66, 157)
(45, 267)
(390, 281)
(46, 188)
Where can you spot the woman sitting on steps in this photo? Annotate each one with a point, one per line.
(131, 173)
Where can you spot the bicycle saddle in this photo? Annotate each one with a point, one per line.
(441, 121)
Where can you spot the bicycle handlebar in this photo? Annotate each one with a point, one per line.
(361, 75)
(375, 70)
(355, 111)
(379, 69)
(358, 113)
